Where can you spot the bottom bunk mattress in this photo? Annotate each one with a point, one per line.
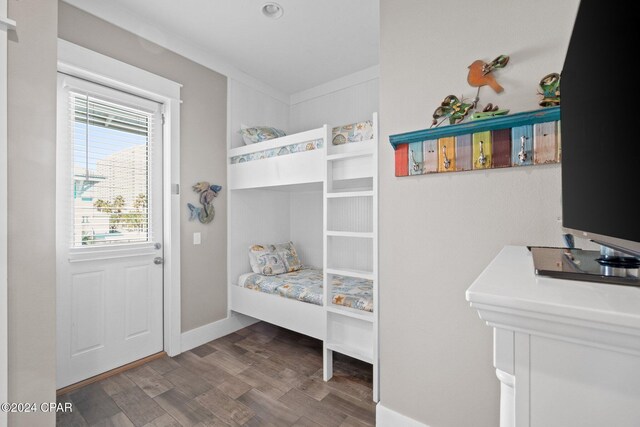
(306, 285)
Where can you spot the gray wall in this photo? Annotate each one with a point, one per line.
(203, 124)
(436, 354)
(31, 223)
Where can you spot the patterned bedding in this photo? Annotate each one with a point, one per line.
(306, 285)
(280, 151)
(353, 132)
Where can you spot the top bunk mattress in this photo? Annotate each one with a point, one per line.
(298, 147)
(306, 285)
(300, 158)
(303, 141)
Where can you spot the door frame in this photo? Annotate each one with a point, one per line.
(86, 64)
(5, 25)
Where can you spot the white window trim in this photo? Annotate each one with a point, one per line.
(93, 252)
(5, 26)
(86, 64)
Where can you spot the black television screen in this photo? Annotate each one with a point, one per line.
(599, 126)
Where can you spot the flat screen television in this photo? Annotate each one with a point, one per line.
(600, 127)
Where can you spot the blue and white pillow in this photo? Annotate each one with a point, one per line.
(270, 260)
(265, 260)
(289, 255)
(251, 135)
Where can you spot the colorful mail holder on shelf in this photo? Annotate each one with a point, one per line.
(522, 139)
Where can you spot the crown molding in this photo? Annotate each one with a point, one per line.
(128, 21)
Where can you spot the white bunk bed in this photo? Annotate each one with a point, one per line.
(324, 198)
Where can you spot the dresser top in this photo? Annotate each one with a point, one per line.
(510, 284)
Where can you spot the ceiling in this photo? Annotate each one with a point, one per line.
(314, 42)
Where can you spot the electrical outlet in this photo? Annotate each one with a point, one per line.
(197, 238)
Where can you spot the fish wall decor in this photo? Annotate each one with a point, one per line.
(207, 194)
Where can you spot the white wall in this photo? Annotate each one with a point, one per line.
(250, 107)
(346, 100)
(257, 216)
(271, 216)
(336, 104)
(306, 226)
(438, 232)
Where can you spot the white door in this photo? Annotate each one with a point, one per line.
(109, 229)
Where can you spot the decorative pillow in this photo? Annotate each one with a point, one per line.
(265, 260)
(251, 135)
(353, 132)
(289, 255)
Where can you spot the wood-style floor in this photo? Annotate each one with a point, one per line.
(259, 376)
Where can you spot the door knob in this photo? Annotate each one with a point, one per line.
(158, 260)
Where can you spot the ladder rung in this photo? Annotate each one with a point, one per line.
(352, 154)
(364, 235)
(351, 273)
(340, 194)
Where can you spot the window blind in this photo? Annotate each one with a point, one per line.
(111, 154)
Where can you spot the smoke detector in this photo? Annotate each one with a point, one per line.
(272, 10)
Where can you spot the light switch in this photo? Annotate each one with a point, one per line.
(197, 238)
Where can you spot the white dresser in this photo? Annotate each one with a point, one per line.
(567, 353)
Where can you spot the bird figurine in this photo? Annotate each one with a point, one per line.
(488, 111)
(481, 73)
(207, 193)
(550, 85)
(500, 62)
(451, 108)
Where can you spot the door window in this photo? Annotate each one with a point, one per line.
(111, 158)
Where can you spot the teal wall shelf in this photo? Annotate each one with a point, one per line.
(549, 114)
(521, 139)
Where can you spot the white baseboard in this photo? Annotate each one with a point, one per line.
(386, 417)
(212, 331)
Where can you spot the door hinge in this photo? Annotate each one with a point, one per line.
(163, 120)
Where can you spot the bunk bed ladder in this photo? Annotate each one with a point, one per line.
(350, 241)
